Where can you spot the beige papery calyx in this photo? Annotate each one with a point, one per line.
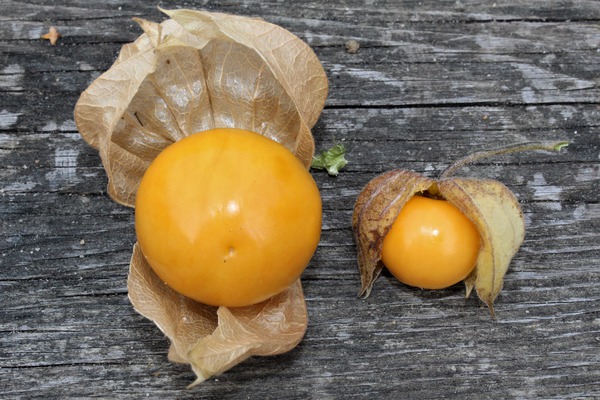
(190, 73)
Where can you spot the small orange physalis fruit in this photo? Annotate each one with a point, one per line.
(434, 233)
(228, 217)
(431, 244)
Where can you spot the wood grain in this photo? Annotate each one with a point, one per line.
(431, 82)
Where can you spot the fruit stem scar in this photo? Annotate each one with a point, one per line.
(230, 253)
(516, 148)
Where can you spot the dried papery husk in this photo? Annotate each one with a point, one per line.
(182, 320)
(489, 204)
(496, 213)
(214, 339)
(375, 211)
(193, 72)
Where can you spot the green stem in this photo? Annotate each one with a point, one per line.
(549, 146)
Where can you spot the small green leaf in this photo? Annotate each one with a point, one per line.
(331, 160)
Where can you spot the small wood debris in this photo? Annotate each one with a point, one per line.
(352, 46)
(52, 35)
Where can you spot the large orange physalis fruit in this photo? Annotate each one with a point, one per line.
(195, 72)
(228, 217)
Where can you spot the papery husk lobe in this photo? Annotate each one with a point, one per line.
(195, 72)
(214, 339)
(375, 211)
(496, 213)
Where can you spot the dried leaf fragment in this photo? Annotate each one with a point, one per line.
(213, 339)
(52, 35)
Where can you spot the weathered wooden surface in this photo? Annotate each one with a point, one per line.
(432, 80)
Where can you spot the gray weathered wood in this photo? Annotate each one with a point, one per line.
(431, 82)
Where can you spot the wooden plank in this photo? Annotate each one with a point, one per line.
(432, 81)
(503, 67)
(413, 11)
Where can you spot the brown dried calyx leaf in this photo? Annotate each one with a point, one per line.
(375, 211)
(194, 72)
(489, 204)
(214, 339)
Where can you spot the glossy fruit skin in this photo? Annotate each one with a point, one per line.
(228, 217)
(431, 245)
